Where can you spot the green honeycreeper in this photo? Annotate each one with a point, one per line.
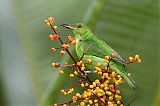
(96, 50)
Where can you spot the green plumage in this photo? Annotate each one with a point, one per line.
(97, 49)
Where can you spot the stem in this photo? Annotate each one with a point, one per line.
(63, 43)
(74, 85)
(48, 96)
(68, 51)
(70, 65)
(105, 104)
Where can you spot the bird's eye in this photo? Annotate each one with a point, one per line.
(79, 26)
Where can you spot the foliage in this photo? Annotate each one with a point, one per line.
(128, 26)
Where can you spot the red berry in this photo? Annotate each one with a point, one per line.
(56, 37)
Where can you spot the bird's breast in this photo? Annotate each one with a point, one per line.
(79, 47)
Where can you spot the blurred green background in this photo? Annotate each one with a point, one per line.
(26, 78)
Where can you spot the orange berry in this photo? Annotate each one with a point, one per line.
(74, 98)
(73, 42)
(56, 37)
(61, 72)
(106, 58)
(113, 55)
(70, 38)
(51, 19)
(57, 65)
(51, 37)
(65, 46)
(62, 52)
(131, 59)
(53, 49)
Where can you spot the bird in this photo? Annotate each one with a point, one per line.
(97, 49)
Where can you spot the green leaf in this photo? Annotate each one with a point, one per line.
(130, 27)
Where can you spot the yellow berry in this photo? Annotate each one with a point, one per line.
(62, 91)
(84, 96)
(82, 104)
(82, 85)
(97, 81)
(105, 88)
(96, 104)
(89, 61)
(99, 73)
(94, 84)
(139, 60)
(53, 64)
(117, 91)
(86, 84)
(65, 93)
(55, 27)
(48, 23)
(79, 63)
(108, 92)
(78, 95)
(82, 68)
(89, 94)
(95, 100)
(105, 75)
(98, 64)
(55, 104)
(137, 57)
(75, 72)
(110, 98)
(91, 86)
(99, 94)
(90, 101)
(118, 102)
(71, 75)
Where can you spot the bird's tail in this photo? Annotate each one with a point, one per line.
(122, 71)
(130, 81)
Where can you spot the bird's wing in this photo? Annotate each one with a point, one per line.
(99, 48)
